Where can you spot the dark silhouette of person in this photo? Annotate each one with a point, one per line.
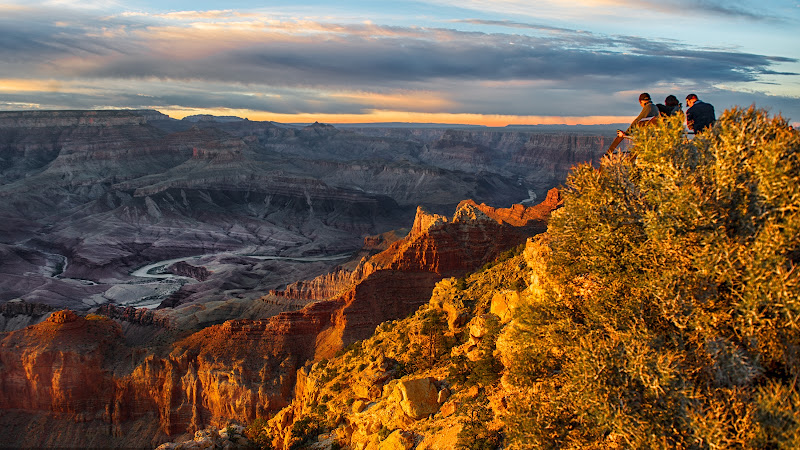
(670, 107)
(700, 114)
(648, 110)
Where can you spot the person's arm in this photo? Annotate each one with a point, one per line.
(642, 115)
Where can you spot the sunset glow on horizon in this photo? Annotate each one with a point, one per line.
(400, 117)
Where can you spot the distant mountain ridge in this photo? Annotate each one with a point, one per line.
(86, 197)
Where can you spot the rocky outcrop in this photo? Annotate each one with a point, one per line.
(320, 288)
(185, 269)
(474, 235)
(138, 316)
(417, 397)
(67, 118)
(520, 216)
(212, 438)
(439, 244)
(64, 367)
(380, 242)
(15, 315)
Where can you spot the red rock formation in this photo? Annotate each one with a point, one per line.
(320, 288)
(519, 215)
(398, 280)
(60, 367)
(241, 369)
(475, 235)
(382, 241)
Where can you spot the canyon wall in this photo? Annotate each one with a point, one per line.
(75, 368)
(87, 197)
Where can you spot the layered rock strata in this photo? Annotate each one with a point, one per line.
(241, 369)
(87, 197)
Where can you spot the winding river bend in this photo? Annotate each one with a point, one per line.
(155, 274)
(158, 269)
(149, 285)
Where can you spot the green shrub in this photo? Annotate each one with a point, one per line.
(671, 309)
(304, 431)
(256, 434)
(476, 433)
(484, 371)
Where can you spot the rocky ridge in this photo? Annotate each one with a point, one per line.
(241, 369)
(87, 197)
(484, 223)
(538, 158)
(69, 118)
(20, 314)
(419, 382)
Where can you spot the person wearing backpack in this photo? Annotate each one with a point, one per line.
(700, 115)
(670, 107)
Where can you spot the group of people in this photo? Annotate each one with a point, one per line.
(699, 115)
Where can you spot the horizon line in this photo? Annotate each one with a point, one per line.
(372, 117)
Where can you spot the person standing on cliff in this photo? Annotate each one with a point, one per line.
(700, 115)
(648, 110)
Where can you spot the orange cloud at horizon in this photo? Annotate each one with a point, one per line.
(25, 85)
(424, 101)
(378, 116)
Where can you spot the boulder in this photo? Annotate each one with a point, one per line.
(448, 409)
(444, 394)
(398, 440)
(359, 406)
(504, 303)
(418, 398)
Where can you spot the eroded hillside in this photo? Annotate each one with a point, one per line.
(97, 207)
(660, 310)
(132, 370)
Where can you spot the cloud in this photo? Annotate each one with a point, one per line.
(372, 56)
(727, 9)
(598, 8)
(514, 24)
(248, 61)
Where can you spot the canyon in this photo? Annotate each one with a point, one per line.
(88, 197)
(93, 372)
(158, 276)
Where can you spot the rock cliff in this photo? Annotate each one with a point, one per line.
(540, 158)
(87, 197)
(59, 377)
(83, 368)
(68, 118)
(19, 314)
(427, 381)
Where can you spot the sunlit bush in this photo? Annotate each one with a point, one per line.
(670, 315)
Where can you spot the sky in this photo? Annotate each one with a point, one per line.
(488, 62)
